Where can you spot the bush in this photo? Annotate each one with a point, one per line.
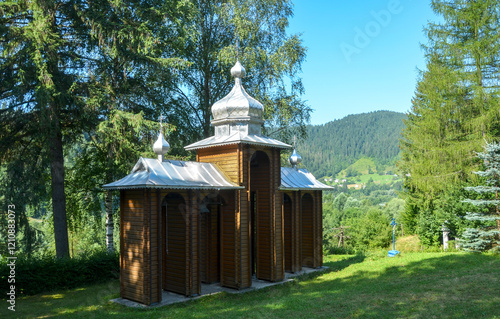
(33, 276)
(409, 243)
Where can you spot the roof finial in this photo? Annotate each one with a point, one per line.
(161, 118)
(238, 71)
(295, 158)
(161, 146)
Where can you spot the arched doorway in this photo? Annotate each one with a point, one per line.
(260, 216)
(307, 230)
(210, 216)
(287, 229)
(174, 243)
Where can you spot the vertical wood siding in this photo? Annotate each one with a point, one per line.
(307, 230)
(226, 157)
(287, 229)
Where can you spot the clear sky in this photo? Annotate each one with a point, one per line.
(362, 55)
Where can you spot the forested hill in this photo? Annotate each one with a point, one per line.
(334, 146)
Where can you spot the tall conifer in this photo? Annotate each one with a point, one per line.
(486, 234)
(456, 104)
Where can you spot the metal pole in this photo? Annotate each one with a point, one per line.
(393, 237)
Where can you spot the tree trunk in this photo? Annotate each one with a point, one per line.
(109, 199)
(109, 221)
(58, 195)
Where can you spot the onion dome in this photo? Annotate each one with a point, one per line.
(161, 147)
(237, 110)
(295, 159)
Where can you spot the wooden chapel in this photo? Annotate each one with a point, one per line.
(233, 215)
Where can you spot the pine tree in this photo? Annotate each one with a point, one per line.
(486, 234)
(455, 105)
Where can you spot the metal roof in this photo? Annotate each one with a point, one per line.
(295, 179)
(235, 139)
(151, 173)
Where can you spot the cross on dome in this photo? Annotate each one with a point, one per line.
(161, 146)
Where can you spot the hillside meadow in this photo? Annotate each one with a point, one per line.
(412, 285)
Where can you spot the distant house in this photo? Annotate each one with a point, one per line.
(232, 215)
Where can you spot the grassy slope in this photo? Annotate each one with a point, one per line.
(415, 285)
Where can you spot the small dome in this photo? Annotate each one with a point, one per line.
(295, 158)
(161, 146)
(238, 71)
(238, 104)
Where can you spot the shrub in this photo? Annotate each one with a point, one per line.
(36, 275)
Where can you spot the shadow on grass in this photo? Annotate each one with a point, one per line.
(344, 263)
(410, 286)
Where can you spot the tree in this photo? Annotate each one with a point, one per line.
(486, 234)
(42, 90)
(271, 57)
(455, 105)
(65, 66)
(131, 44)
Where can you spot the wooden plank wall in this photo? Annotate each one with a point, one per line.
(235, 268)
(131, 245)
(244, 156)
(226, 157)
(277, 215)
(308, 230)
(260, 184)
(287, 231)
(175, 241)
(139, 246)
(152, 252)
(209, 238)
(180, 269)
(297, 231)
(209, 242)
(318, 245)
(265, 180)
(229, 239)
(194, 284)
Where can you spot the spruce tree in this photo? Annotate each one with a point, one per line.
(486, 234)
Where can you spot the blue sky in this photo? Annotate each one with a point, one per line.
(362, 56)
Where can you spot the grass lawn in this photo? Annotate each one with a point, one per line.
(414, 285)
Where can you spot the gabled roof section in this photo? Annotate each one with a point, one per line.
(300, 179)
(169, 174)
(235, 139)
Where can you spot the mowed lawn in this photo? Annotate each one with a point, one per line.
(413, 285)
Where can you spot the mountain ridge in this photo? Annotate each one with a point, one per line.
(334, 146)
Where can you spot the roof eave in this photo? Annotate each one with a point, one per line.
(172, 187)
(192, 148)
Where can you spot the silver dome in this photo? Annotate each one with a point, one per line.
(237, 109)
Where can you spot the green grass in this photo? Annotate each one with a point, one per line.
(414, 285)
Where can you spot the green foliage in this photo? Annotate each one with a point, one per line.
(366, 222)
(272, 59)
(372, 230)
(64, 67)
(486, 219)
(37, 275)
(81, 83)
(334, 146)
(454, 109)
